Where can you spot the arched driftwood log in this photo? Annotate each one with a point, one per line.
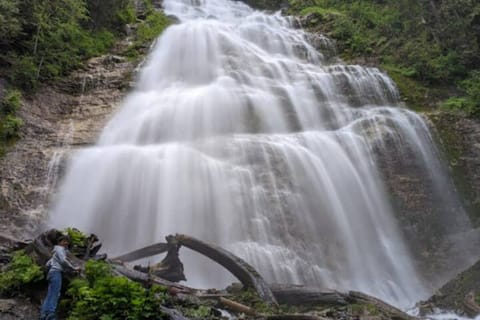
(170, 268)
(145, 252)
(244, 272)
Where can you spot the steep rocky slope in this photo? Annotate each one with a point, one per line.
(58, 118)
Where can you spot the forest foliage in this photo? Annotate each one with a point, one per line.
(430, 48)
(43, 40)
(21, 271)
(102, 295)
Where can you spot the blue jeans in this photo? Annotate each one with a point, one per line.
(49, 306)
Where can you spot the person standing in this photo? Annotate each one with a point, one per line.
(57, 265)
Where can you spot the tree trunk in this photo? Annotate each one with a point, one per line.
(244, 272)
(296, 295)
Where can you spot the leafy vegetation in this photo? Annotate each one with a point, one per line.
(430, 48)
(77, 237)
(251, 298)
(10, 123)
(102, 295)
(19, 272)
(42, 41)
(153, 25)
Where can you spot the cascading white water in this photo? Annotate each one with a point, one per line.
(242, 134)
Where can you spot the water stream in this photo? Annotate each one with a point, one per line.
(240, 133)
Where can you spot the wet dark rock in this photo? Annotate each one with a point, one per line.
(462, 294)
(459, 137)
(431, 218)
(14, 309)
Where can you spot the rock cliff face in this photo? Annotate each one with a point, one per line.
(438, 232)
(460, 140)
(461, 294)
(58, 118)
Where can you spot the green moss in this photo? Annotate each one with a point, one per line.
(320, 11)
(19, 272)
(251, 298)
(412, 91)
(359, 309)
(200, 312)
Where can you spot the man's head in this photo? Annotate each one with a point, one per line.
(64, 241)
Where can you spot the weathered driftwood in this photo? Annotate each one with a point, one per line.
(237, 307)
(393, 312)
(244, 272)
(149, 279)
(301, 295)
(247, 275)
(145, 252)
(170, 268)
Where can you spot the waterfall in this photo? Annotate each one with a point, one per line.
(241, 133)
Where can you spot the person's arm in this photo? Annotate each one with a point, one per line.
(62, 256)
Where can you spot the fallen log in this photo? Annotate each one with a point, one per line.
(149, 279)
(170, 268)
(296, 295)
(393, 312)
(145, 252)
(244, 272)
(237, 307)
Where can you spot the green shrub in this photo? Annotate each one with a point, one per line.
(20, 271)
(470, 103)
(10, 126)
(415, 36)
(25, 73)
(11, 101)
(455, 103)
(471, 85)
(105, 296)
(148, 30)
(77, 237)
(126, 15)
